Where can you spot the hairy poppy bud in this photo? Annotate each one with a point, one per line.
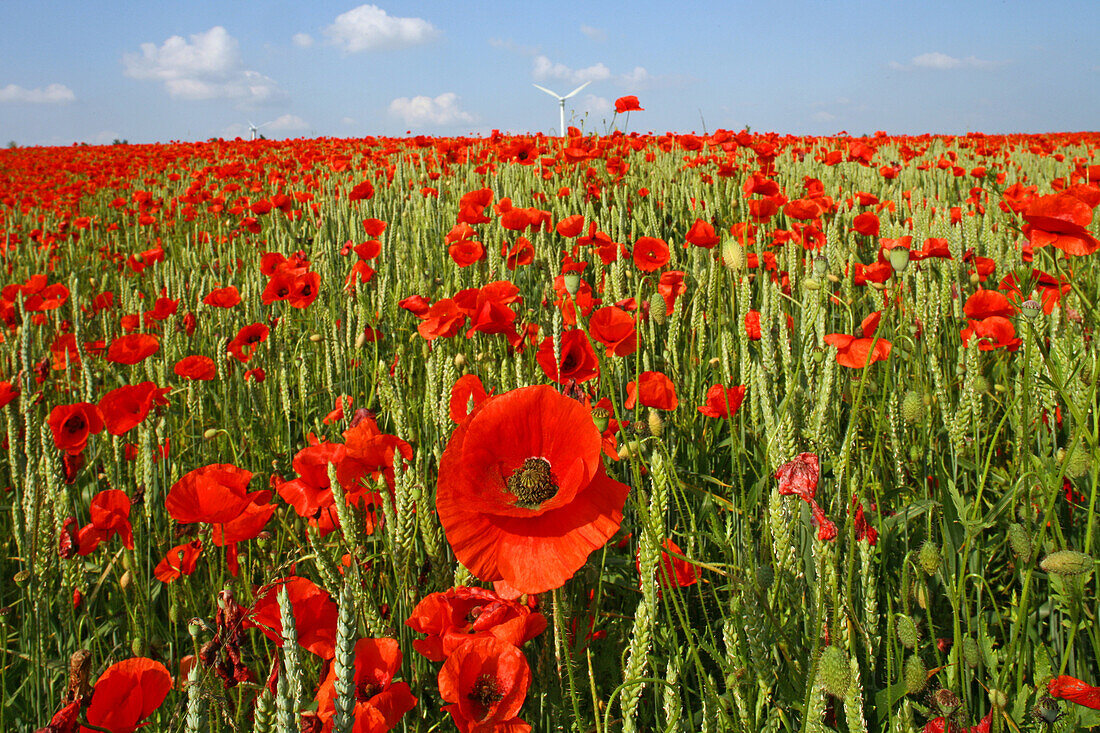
(209, 433)
(929, 557)
(733, 255)
(997, 698)
(315, 337)
(361, 340)
(1077, 463)
(811, 284)
(912, 407)
(908, 634)
(834, 674)
(460, 360)
(657, 310)
(971, 653)
(655, 424)
(1020, 542)
(1067, 562)
(916, 676)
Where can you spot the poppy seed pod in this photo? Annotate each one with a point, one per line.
(821, 265)
(899, 259)
(572, 282)
(1031, 309)
(600, 417)
(1020, 542)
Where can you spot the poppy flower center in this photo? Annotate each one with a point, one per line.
(364, 691)
(532, 483)
(486, 692)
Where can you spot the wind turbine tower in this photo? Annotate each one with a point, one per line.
(561, 102)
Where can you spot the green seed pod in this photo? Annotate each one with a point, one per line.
(1020, 542)
(1067, 562)
(929, 557)
(945, 701)
(811, 284)
(908, 633)
(657, 310)
(912, 407)
(1078, 463)
(981, 384)
(137, 646)
(834, 673)
(997, 698)
(600, 417)
(971, 653)
(916, 675)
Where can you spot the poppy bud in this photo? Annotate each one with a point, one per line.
(460, 360)
(137, 646)
(997, 698)
(821, 264)
(834, 674)
(929, 557)
(971, 653)
(916, 676)
(655, 424)
(912, 407)
(908, 634)
(361, 340)
(1067, 563)
(974, 278)
(1031, 309)
(834, 279)
(657, 309)
(572, 282)
(209, 433)
(811, 284)
(733, 255)
(921, 595)
(1020, 542)
(981, 384)
(1078, 463)
(315, 337)
(600, 417)
(126, 581)
(899, 259)
(765, 576)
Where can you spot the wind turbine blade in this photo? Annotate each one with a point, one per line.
(582, 86)
(266, 123)
(555, 95)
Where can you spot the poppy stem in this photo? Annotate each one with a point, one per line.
(563, 639)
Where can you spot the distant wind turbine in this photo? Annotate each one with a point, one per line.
(561, 101)
(254, 128)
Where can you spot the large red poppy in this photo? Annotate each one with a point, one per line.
(628, 103)
(650, 254)
(314, 615)
(722, 401)
(856, 353)
(126, 694)
(133, 348)
(72, 425)
(214, 494)
(196, 368)
(653, 389)
(1075, 690)
(614, 328)
(1062, 220)
(523, 496)
(455, 616)
(486, 681)
(577, 363)
(126, 407)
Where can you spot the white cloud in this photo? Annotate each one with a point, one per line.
(442, 110)
(594, 106)
(347, 121)
(822, 116)
(288, 123)
(545, 69)
(942, 62)
(207, 67)
(370, 28)
(639, 78)
(52, 94)
(593, 33)
(302, 40)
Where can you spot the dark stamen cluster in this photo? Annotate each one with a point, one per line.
(486, 692)
(532, 483)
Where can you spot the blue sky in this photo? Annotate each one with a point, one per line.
(158, 71)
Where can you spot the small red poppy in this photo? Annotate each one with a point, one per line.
(628, 104)
(650, 254)
(722, 401)
(653, 389)
(485, 681)
(72, 425)
(133, 348)
(196, 368)
(226, 297)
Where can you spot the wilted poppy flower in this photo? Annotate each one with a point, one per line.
(127, 693)
(379, 701)
(455, 616)
(578, 361)
(72, 425)
(132, 348)
(523, 496)
(196, 368)
(653, 389)
(798, 477)
(722, 401)
(314, 615)
(485, 681)
(628, 103)
(180, 560)
(223, 297)
(614, 328)
(650, 254)
(857, 353)
(1076, 691)
(126, 407)
(213, 494)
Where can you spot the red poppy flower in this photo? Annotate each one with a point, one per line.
(986, 303)
(523, 496)
(485, 681)
(466, 394)
(362, 191)
(226, 297)
(110, 515)
(673, 571)
(702, 234)
(196, 368)
(857, 353)
(752, 325)
(995, 332)
(213, 494)
(614, 328)
(455, 616)
(379, 701)
(521, 253)
(64, 353)
(418, 305)
(466, 252)
(126, 407)
(304, 289)
(72, 425)
(798, 477)
(628, 104)
(670, 287)
(314, 615)
(650, 254)
(179, 561)
(244, 344)
(578, 360)
(443, 320)
(570, 226)
(126, 694)
(942, 725)
(866, 224)
(653, 389)
(1069, 688)
(278, 287)
(133, 348)
(1062, 220)
(722, 401)
(7, 393)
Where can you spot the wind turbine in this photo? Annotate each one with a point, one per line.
(561, 101)
(253, 128)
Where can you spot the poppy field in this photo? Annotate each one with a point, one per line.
(720, 432)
